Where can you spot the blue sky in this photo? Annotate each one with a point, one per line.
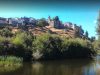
(79, 12)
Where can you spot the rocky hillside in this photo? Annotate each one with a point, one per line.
(51, 30)
(48, 29)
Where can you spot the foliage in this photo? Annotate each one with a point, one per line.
(10, 63)
(92, 39)
(2, 39)
(48, 46)
(23, 43)
(11, 59)
(96, 45)
(38, 45)
(77, 31)
(98, 25)
(77, 48)
(42, 22)
(54, 47)
(6, 32)
(23, 39)
(86, 34)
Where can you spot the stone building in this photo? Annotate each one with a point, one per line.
(68, 25)
(3, 20)
(56, 23)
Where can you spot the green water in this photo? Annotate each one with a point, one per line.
(59, 67)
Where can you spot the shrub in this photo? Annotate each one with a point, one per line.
(42, 22)
(77, 48)
(2, 39)
(23, 42)
(96, 46)
(4, 45)
(54, 47)
(6, 32)
(10, 63)
(38, 45)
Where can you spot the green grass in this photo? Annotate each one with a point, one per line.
(10, 63)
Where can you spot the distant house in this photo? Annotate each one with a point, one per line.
(68, 25)
(26, 20)
(32, 21)
(20, 21)
(13, 21)
(50, 22)
(3, 20)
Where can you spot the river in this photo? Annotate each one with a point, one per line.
(59, 67)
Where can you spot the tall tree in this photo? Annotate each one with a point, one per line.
(42, 22)
(98, 25)
(77, 31)
(86, 34)
(6, 32)
(92, 39)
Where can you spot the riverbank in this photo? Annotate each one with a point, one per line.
(58, 67)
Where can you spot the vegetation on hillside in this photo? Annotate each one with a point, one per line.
(48, 46)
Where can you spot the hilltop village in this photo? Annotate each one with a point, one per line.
(39, 26)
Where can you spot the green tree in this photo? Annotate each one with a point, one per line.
(22, 42)
(23, 38)
(92, 39)
(98, 25)
(86, 34)
(42, 22)
(77, 31)
(55, 47)
(6, 32)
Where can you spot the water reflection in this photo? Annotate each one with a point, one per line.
(60, 67)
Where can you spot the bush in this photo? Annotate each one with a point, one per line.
(18, 45)
(11, 59)
(77, 48)
(23, 42)
(42, 22)
(45, 46)
(6, 32)
(2, 39)
(38, 45)
(96, 46)
(4, 45)
(54, 47)
(10, 63)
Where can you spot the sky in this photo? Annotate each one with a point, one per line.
(80, 12)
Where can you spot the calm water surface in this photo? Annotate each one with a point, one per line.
(59, 67)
